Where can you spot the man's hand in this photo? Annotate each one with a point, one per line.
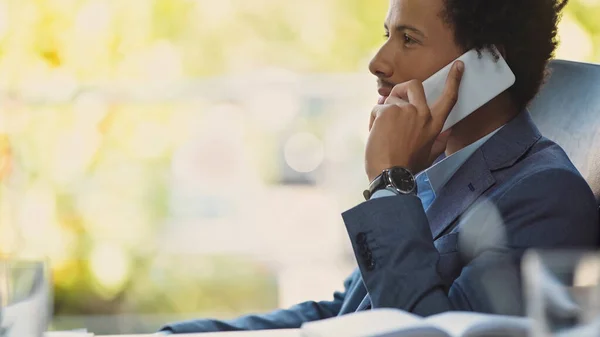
(405, 132)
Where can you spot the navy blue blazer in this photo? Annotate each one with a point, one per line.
(517, 191)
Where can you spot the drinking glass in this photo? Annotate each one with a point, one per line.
(562, 291)
(25, 298)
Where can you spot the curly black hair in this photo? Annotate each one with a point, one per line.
(526, 30)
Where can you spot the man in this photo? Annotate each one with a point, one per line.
(497, 187)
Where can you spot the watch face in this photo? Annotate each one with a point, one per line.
(402, 179)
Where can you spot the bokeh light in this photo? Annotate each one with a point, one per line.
(304, 152)
(110, 266)
(576, 42)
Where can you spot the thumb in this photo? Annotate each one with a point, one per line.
(439, 146)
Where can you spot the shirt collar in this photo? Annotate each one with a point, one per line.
(442, 171)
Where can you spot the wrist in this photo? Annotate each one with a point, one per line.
(399, 179)
(376, 172)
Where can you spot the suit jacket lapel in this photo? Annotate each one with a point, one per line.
(467, 184)
(475, 176)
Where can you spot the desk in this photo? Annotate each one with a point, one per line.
(265, 333)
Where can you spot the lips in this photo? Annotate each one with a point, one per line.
(382, 99)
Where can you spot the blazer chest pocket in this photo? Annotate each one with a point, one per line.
(447, 244)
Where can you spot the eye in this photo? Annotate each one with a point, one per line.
(409, 40)
(386, 35)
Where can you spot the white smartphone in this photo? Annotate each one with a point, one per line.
(484, 79)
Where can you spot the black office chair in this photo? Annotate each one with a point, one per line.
(567, 110)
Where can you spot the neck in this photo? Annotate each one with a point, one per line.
(480, 123)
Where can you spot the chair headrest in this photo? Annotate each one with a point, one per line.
(567, 111)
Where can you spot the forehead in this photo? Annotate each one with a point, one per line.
(421, 13)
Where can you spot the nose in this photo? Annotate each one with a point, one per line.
(380, 66)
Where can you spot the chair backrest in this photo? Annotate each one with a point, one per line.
(567, 111)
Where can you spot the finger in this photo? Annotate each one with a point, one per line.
(399, 102)
(390, 101)
(385, 110)
(371, 120)
(413, 93)
(395, 100)
(377, 110)
(442, 107)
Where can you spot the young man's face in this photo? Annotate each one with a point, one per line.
(420, 43)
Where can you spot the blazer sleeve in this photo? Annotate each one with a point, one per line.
(398, 260)
(290, 318)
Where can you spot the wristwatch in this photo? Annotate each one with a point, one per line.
(396, 178)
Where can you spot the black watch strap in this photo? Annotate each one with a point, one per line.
(377, 184)
(399, 179)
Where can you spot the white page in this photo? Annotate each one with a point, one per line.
(373, 323)
(68, 334)
(469, 324)
(259, 333)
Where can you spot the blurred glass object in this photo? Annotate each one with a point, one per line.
(25, 298)
(563, 292)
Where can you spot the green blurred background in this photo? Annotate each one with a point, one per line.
(182, 158)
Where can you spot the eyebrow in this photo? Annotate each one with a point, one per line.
(400, 28)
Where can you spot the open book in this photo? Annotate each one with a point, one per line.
(82, 333)
(396, 323)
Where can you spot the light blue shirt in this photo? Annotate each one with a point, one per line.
(432, 180)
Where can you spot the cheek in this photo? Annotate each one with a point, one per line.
(416, 65)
